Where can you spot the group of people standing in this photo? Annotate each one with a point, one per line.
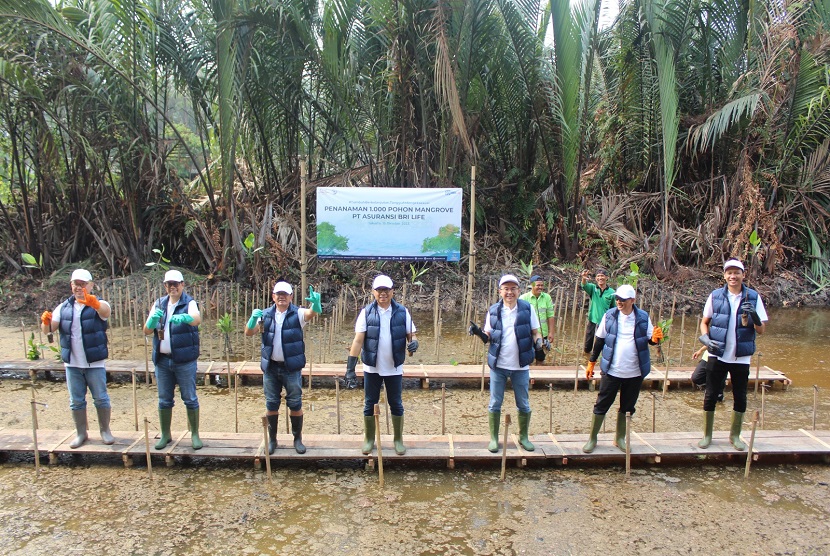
(518, 328)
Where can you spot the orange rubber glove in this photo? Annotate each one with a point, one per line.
(657, 335)
(589, 370)
(90, 300)
(46, 318)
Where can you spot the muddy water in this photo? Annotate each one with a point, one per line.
(83, 505)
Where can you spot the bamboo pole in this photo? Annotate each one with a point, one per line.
(757, 373)
(815, 404)
(682, 337)
(23, 331)
(377, 441)
(236, 399)
(147, 447)
(550, 408)
(751, 444)
(146, 360)
(471, 268)
(653, 412)
(303, 223)
(34, 433)
(337, 402)
(443, 408)
(135, 402)
(504, 447)
(763, 402)
(627, 444)
(265, 445)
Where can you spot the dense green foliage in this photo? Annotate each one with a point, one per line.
(669, 136)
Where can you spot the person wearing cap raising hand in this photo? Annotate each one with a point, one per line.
(384, 333)
(82, 322)
(512, 328)
(543, 304)
(623, 336)
(732, 316)
(283, 357)
(174, 323)
(602, 299)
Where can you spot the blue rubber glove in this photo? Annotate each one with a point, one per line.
(155, 316)
(183, 318)
(256, 314)
(314, 299)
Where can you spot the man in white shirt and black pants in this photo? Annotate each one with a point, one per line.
(623, 336)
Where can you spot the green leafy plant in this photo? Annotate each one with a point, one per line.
(527, 269)
(225, 326)
(162, 260)
(632, 277)
(416, 273)
(33, 352)
(30, 261)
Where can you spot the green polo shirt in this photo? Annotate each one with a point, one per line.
(544, 309)
(601, 301)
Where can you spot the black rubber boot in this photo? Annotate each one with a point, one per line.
(297, 429)
(272, 432)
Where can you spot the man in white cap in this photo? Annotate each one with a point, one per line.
(82, 322)
(732, 316)
(283, 357)
(174, 323)
(623, 336)
(513, 330)
(384, 332)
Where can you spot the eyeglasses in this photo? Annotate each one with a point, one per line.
(621, 300)
(172, 284)
(383, 290)
(79, 283)
(514, 289)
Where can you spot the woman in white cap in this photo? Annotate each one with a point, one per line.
(82, 322)
(623, 336)
(174, 323)
(513, 330)
(732, 317)
(384, 332)
(282, 357)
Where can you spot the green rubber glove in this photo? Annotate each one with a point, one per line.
(183, 318)
(314, 299)
(155, 316)
(256, 314)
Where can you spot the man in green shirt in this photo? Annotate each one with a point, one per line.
(543, 305)
(602, 299)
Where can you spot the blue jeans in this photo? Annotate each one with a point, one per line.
(371, 393)
(275, 379)
(168, 374)
(521, 384)
(78, 379)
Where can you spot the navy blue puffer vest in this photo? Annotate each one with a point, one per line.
(293, 345)
(718, 327)
(93, 331)
(397, 327)
(184, 339)
(640, 339)
(524, 333)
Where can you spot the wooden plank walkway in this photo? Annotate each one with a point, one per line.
(673, 448)
(425, 373)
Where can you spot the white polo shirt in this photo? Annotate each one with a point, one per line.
(509, 350)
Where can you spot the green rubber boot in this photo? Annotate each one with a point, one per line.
(495, 421)
(524, 423)
(165, 418)
(369, 434)
(193, 421)
(620, 434)
(596, 424)
(397, 429)
(735, 431)
(708, 426)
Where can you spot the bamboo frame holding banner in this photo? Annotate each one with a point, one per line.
(303, 224)
(471, 269)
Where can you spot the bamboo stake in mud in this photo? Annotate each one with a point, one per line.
(763, 401)
(435, 315)
(471, 267)
(146, 361)
(749, 449)
(377, 441)
(23, 331)
(815, 404)
(682, 337)
(443, 408)
(576, 378)
(627, 444)
(147, 447)
(303, 223)
(265, 445)
(34, 433)
(337, 402)
(577, 340)
(236, 399)
(135, 402)
(550, 408)
(504, 446)
(757, 373)
(666, 378)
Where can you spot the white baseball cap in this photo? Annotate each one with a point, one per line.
(735, 263)
(283, 287)
(173, 276)
(626, 291)
(82, 275)
(508, 278)
(382, 281)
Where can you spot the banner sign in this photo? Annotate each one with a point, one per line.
(389, 223)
